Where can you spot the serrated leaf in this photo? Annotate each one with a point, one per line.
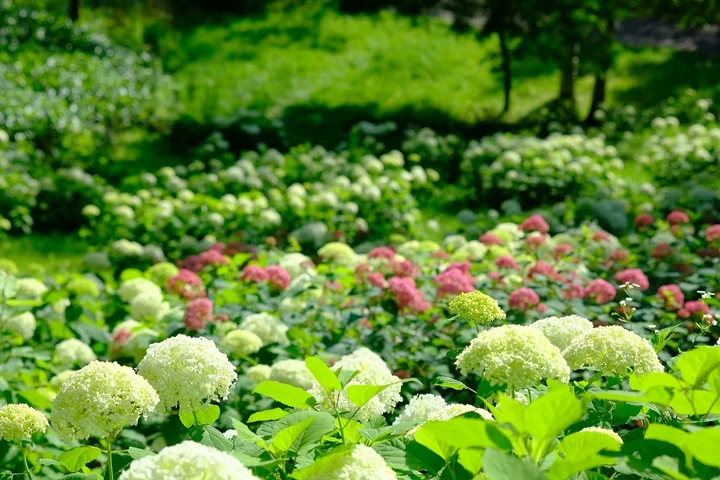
(213, 438)
(695, 365)
(346, 376)
(273, 414)
(246, 434)
(323, 424)
(552, 413)
(78, 457)
(137, 453)
(6, 475)
(322, 373)
(286, 394)
(207, 414)
(361, 394)
(284, 439)
(447, 382)
(499, 466)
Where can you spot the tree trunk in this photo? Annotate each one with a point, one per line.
(507, 72)
(605, 61)
(75, 10)
(567, 73)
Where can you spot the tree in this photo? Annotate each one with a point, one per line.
(74, 12)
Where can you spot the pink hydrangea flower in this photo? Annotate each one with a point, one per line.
(664, 250)
(523, 299)
(382, 252)
(600, 291)
(334, 285)
(407, 295)
(213, 257)
(441, 254)
(542, 268)
(506, 261)
(454, 281)
(535, 241)
(405, 268)
(377, 279)
(633, 275)
(573, 290)
(672, 296)
(695, 308)
(197, 313)
(643, 221)
(278, 277)
(535, 223)
(712, 233)
(677, 217)
(254, 273)
(601, 236)
(186, 285)
(563, 249)
(490, 239)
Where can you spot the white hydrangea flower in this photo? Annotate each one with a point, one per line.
(453, 242)
(372, 371)
(19, 422)
(359, 463)
(57, 381)
(127, 248)
(339, 253)
(73, 351)
(259, 373)
(612, 351)
(451, 411)
(268, 327)
(101, 399)
(22, 324)
(187, 372)
(562, 331)
(148, 305)
(241, 342)
(188, 461)
(292, 372)
(30, 288)
(130, 289)
(516, 355)
(296, 264)
(420, 407)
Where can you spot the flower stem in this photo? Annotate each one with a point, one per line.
(111, 473)
(27, 467)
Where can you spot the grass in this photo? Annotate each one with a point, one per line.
(55, 253)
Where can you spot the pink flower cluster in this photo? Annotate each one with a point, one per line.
(404, 268)
(672, 296)
(694, 309)
(455, 279)
(601, 236)
(377, 279)
(275, 275)
(535, 223)
(489, 239)
(633, 275)
(600, 291)
(197, 313)
(712, 233)
(382, 252)
(643, 221)
(562, 250)
(197, 263)
(535, 241)
(186, 284)
(523, 299)
(505, 261)
(407, 295)
(544, 269)
(677, 217)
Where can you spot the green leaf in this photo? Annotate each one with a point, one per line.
(284, 439)
(213, 438)
(361, 394)
(120, 462)
(323, 424)
(645, 382)
(393, 452)
(471, 460)
(322, 464)
(322, 373)
(81, 476)
(6, 475)
(186, 417)
(552, 413)
(657, 395)
(286, 394)
(509, 410)
(273, 414)
(458, 432)
(419, 457)
(703, 445)
(695, 365)
(207, 414)
(78, 457)
(49, 462)
(137, 453)
(447, 382)
(697, 402)
(37, 399)
(246, 434)
(580, 452)
(346, 376)
(498, 466)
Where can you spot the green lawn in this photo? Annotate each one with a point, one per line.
(56, 253)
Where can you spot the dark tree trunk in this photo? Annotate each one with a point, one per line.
(507, 71)
(567, 73)
(75, 10)
(605, 61)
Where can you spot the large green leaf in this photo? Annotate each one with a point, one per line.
(323, 423)
(696, 364)
(447, 382)
(78, 457)
(282, 441)
(246, 434)
(580, 451)
(213, 438)
(646, 381)
(207, 414)
(361, 394)
(322, 373)
(696, 402)
(458, 432)
(656, 395)
(552, 413)
(509, 410)
(471, 459)
(321, 464)
(266, 415)
(286, 394)
(703, 445)
(499, 466)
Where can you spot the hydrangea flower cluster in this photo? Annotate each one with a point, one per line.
(360, 462)
(188, 461)
(612, 351)
(562, 331)
(259, 373)
(600, 291)
(129, 289)
(161, 272)
(19, 422)
(30, 288)
(455, 279)
(241, 343)
(407, 295)
(83, 286)
(101, 399)
(420, 407)
(186, 284)
(149, 305)
(634, 276)
(515, 355)
(372, 371)
(672, 296)
(23, 324)
(73, 351)
(292, 372)
(604, 431)
(524, 298)
(476, 307)
(197, 313)
(187, 372)
(268, 327)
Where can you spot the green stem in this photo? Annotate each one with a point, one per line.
(111, 473)
(27, 467)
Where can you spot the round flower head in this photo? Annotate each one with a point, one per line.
(72, 351)
(57, 381)
(8, 266)
(161, 272)
(23, 324)
(269, 328)
(562, 331)
(292, 372)
(448, 412)
(83, 286)
(198, 312)
(358, 463)
(101, 399)
(188, 461)
(339, 253)
(515, 355)
(612, 351)
(187, 372)
(30, 288)
(372, 371)
(19, 422)
(476, 307)
(604, 431)
(130, 289)
(241, 343)
(148, 305)
(420, 407)
(259, 373)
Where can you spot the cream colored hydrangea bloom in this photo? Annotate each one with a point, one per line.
(476, 307)
(259, 373)
(420, 407)
(73, 351)
(241, 343)
(451, 411)
(268, 327)
(148, 305)
(515, 355)
(292, 372)
(187, 372)
(23, 324)
(19, 422)
(99, 400)
(357, 463)
(188, 461)
(130, 289)
(562, 331)
(30, 288)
